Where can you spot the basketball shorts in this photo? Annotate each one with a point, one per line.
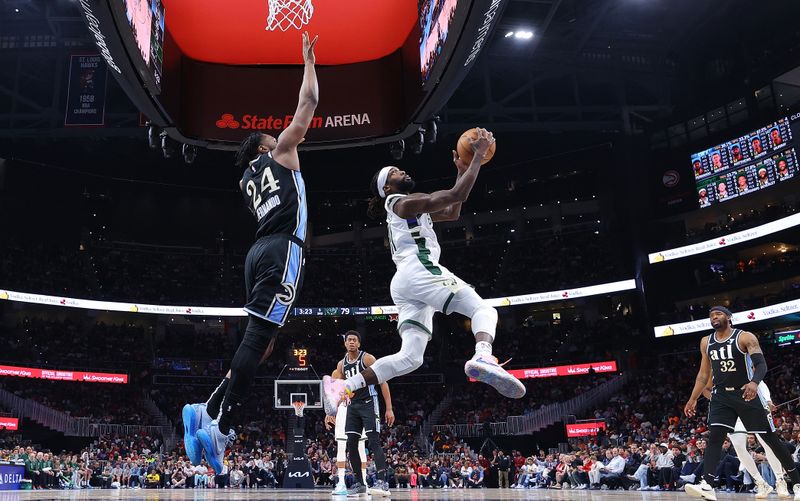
(341, 421)
(273, 276)
(419, 291)
(363, 416)
(728, 406)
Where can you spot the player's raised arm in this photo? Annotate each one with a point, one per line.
(425, 203)
(703, 377)
(750, 344)
(286, 149)
(452, 212)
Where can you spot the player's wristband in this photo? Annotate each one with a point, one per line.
(759, 367)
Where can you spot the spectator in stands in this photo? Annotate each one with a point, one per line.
(476, 478)
(503, 465)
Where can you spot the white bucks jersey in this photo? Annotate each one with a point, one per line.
(411, 238)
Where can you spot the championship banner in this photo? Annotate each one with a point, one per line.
(333, 311)
(9, 423)
(56, 375)
(588, 429)
(562, 370)
(11, 476)
(86, 91)
(725, 240)
(738, 318)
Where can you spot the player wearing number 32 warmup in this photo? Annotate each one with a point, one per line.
(275, 194)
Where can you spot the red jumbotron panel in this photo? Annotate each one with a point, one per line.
(350, 31)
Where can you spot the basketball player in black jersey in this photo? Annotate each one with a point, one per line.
(274, 192)
(732, 358)
(363, 415)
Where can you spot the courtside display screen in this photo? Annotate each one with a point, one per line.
(751, 162)
(146, 20)
(435, 17)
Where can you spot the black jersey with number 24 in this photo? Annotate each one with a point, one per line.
(276, 196)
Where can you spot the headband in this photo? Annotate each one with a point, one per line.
(722, 309)
(384, 173)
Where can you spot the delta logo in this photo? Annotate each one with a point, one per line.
(259, 122)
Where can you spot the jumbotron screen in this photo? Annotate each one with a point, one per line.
(146, 19)
(751, 162)
(435, 17)
(207, 75)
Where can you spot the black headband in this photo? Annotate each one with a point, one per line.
(722, 309)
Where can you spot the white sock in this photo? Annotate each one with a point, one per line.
(483, 348)
(355, 383)
(341, 472)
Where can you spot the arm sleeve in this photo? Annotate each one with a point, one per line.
(759, 367)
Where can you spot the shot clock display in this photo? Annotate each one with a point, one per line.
(299, 357)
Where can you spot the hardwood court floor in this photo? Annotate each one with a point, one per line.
(319, 494)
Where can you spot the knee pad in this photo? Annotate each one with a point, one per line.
(408, 359)
(470, 304)
(258, 334)
(717, 436)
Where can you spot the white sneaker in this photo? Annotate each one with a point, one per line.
(484, 368)
(340, 490)
(334, 392)
(782, 490)
(763, 489)
(381, 488)
(796, 492)
(701, 490)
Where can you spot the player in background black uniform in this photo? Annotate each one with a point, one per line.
(274, 192)
(733, 360)
(362, 415)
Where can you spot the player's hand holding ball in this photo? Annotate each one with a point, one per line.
(477, 141)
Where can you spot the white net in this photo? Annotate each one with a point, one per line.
(298, 408)
(285, 14)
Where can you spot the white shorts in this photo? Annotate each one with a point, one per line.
(419, 292)
(341, 419)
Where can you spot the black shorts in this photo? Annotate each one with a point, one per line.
(363, 415)
(273, 276)
(727, 406)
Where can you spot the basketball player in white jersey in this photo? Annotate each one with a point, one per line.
(421, 286)
(359, 422)
(738, 438)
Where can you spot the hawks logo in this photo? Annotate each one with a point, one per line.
(288, 298)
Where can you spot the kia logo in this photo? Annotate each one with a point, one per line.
(298, 474)
(226, 121)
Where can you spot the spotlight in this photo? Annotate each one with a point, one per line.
(153, 133)
(432, 130)
(397, 149)
(167, 146)
(189, 153)
(418, 141)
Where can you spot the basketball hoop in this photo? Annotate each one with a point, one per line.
(285, 14)
(298, 408)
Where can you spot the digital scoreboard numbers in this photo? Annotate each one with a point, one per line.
(300, 357)
(744, 165)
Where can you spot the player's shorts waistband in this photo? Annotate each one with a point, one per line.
(288, 236)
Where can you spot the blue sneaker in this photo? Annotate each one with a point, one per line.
(340, 490)
(194, 418)
(214, 443)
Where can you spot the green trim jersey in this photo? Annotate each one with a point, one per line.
(412, 238)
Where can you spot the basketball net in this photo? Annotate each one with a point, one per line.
(298, 408)
(285, 14)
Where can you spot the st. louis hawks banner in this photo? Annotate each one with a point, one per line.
(86, 93)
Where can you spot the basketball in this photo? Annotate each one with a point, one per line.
(464, 147)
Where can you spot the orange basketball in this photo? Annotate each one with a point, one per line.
(464, 147)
